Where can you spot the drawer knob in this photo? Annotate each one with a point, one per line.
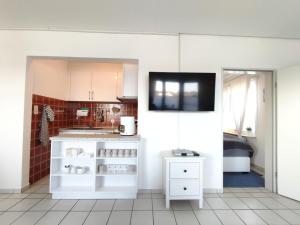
(184, 188)
(185, 171)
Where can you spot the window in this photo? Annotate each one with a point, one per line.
(240, 104)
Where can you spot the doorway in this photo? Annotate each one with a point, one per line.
(248, 128)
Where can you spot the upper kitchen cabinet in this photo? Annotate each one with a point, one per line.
(80, 82)
(91, 81)
(106, 82)
(129, 83)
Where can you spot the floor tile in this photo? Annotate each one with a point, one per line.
(211, 195)
(252, 190)
(142, 218)
(144, 195)
(260, 195)
(238, 190)
(18, 195)
(226, 190)
(289, 203)
(7, 203)
(119, 217)
(24, 205)
(252, 203)
(9, 217)
(164, 218)
(142, 204)
(290, 216)
(33, 195)
(228, 217)
(159, 204)
(43, 189)
(64, 205)
(217, 203)
(242, 195)
(74, 218)
(44, 205)
(195, 204)
(97, 218)
(270, 217)
(249, 217)
(271, 203)
(52, 218)
(297, 211)
(157, 195)
(2, 196)
(226, 195)
(104, 205)
(181, 205)
(84, 205)
(235, 203)
(29, 218)
(207, 217)
(123, 204)
(185, 217)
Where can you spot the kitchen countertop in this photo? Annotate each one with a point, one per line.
(95, 137)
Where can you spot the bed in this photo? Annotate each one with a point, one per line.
(237, 154)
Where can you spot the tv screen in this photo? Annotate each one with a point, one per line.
(182, 91)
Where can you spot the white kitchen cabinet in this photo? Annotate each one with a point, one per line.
(99, 82)
(105, 82)
(129, 86)
(80, 85)
(182, 178)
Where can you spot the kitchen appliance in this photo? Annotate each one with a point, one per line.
(127, 125)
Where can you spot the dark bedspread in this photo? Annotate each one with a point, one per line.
(236, 147)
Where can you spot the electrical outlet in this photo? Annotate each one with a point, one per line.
(35, 109)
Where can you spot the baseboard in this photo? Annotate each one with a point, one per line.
(10, 191)
(25, 188)
(258, 169)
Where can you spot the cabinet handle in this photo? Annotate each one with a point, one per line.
(89, 95)
(184, 188)
(92, 95)
(184, 171)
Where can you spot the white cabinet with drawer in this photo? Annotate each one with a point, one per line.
(182, 178)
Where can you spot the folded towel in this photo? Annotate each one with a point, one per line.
(44, 133)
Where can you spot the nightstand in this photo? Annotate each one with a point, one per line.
(182, 178)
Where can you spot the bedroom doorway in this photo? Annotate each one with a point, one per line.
(248, 106)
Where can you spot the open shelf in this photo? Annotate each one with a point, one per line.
(116, 174)
(92, 184)
(60, 173)
(73, 189)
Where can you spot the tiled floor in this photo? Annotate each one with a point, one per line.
(235, 206)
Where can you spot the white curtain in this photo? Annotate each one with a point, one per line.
(235, 102)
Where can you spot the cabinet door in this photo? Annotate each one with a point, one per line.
(130, 80)
(105, 83)
(80, 87)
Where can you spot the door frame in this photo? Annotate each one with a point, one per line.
(274, 185)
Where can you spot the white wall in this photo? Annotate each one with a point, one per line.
(50, 77)
(160, 131)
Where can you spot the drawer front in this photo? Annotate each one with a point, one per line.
(181, 187)
(184, 170)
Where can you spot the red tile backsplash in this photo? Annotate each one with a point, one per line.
(65, 116)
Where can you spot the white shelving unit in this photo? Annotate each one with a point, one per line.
(93, 184)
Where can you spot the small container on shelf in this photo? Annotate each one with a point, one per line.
(81, 169)
(120, 153)
(67, 169)
(108, 153)
(73, 152)
(133, 153)
(101, 152)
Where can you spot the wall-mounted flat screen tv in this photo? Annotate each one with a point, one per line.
(173, 91)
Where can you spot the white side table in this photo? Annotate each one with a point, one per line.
(182, 178)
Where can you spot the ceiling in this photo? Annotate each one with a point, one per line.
(260, 18)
